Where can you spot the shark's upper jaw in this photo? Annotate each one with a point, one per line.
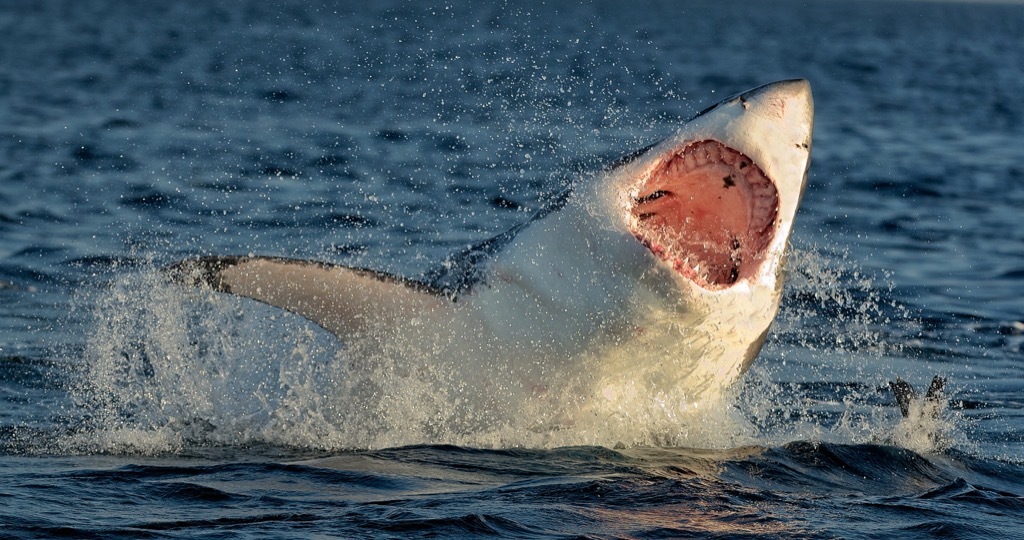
(707, 210)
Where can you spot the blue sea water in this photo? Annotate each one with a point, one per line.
(392, 135)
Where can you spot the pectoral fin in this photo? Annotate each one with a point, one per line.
(343, 300)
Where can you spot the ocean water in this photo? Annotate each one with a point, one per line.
(391, 136)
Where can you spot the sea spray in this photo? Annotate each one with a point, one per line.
(839, 319)
(162, 369)
(167, 368)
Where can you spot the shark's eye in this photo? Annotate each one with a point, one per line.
(709, 211)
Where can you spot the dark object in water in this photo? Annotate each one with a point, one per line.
(905, 393)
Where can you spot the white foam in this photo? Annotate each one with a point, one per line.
(167, 368)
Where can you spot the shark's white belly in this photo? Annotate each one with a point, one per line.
(584, 333)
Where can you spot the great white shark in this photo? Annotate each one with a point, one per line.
(660, 275)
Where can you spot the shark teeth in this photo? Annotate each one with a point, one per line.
(707, 210)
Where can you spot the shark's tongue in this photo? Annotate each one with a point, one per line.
(709, 211)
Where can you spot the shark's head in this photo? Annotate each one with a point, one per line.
(716, 201)
(714, 206)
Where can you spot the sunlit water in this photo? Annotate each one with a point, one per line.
(390, 137)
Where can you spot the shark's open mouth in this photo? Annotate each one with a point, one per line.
(709, 211)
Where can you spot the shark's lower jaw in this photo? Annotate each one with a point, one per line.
(707, 210)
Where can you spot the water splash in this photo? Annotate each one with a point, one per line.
(837, 342)
(162, 369)
(166, 369)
